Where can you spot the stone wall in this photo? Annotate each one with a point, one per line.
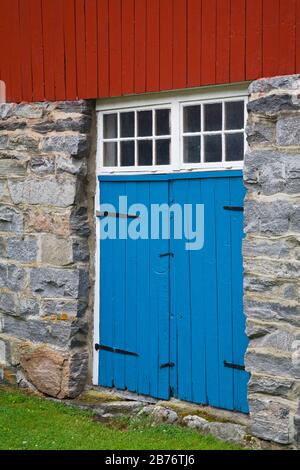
(272, 258)
(44, 254)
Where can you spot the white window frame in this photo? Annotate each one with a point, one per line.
(176, 102)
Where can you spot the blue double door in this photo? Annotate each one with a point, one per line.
(171, 318)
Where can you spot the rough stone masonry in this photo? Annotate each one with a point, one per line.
(272, 258)
(44, 254)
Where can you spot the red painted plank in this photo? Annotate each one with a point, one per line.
(180, 43)
(91, 49)
(115, 38)
(25, 50)
(254, 17)
(127, 47)
(103, 48)
(270, 38)
(14, 50)
(59, 51)
(140, 46)
(5, 55)
(237, 41)
(70, 49)
(166, 44)
(152, 46)
(223, 42)
(37, 54)
(194, 42)
(287, 32)
(208, 46)
(48, 21)
(80, 47)
(298, 37)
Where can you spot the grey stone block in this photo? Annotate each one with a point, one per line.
(78, 106)
(271, 385)
(71, 165)
(42, 165)
(272, 311)
(39, 331)
(272, 105)
(11, 220)
(8, 303)
(12, 167)
(12, 277)
(285, 82)
(79, 222)
(22, 249)
(51, 282)
(47, 191)
(31, 111)
(288, 131)
(76, 145)
(270, 418)
(79, 124)
(81, 250)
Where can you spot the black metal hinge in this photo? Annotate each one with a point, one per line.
(163, 255)
(101, 347)
(167, 364)
(234, 208)
(230, 365)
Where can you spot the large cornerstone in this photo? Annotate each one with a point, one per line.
(272, 258)
(44, 254)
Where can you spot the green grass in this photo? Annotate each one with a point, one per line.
(29, 422)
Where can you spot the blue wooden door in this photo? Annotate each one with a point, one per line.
(207, 323)
(134, 298)
(174, 325)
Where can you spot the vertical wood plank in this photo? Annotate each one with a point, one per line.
(166, 44)
(13, 16)
(254, 36)
(237, 40)
(59, 51)
(5, 55)
(115, 36)
(103, 48)
(180, 43)
(127, 46)
(70, 49)
(223, 42)
(48, 21)
(152, 46)
(80, 47)
(287, 37)
(208, 46)
(37, 55)
(25, 49)
(140, 47)
(194, 26)
(270, 37)
(91, 49)
(297, 37)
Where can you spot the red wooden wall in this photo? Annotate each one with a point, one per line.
(68, 49)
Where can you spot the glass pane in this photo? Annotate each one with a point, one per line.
(234, 147)
(213, 117)
(145, 152)
(144, 123)
(127, 153)
(191, 149)
(162, 126)
(213, 148)
(191, 119)
(127, 124)
(110, 126)
(163, 152)
(110, 154)
(234, 115)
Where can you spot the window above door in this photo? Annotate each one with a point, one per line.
(163, 134)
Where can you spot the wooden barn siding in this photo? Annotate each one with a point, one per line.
(68, 49)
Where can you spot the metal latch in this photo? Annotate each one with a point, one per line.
(116, 215)
(101, 347)
(230, 365)
(234, 208)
